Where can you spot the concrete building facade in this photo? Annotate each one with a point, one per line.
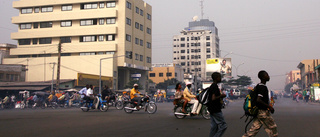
(308, 72)
(5, 50)
(195, 44)
(161, 72)
(119, 32)
(293, 76)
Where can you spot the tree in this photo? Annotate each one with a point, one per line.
(243, 81)
(166, 83)
(131, 82)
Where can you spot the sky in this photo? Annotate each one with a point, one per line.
(271, 35)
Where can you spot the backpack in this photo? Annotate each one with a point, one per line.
(250, 106)
(203, 96)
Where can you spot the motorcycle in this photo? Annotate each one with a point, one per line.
(102, 106)
(121, 100)
(204, 112)
(146, 104)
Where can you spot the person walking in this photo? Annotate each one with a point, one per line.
(307, 96)
(218, 124)
(264, 117)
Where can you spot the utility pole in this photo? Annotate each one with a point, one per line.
(52, 76)
(58, 67)
(201, 4)
(27, 70)
(44, 66)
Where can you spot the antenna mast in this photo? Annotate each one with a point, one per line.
(201, 4)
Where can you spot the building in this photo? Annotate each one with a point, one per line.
(195, 44)
(12, 73)
(5, 50)
(162, 71)
(117, 33)
(308, 73)
(293, 76)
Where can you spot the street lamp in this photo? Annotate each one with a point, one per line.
(238, 67)
(100, 70)
(227, 54)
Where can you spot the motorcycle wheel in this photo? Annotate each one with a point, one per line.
(104, 108)
(127, 110)
(84, 108)
(152, 108)
(179, 110)
(22, 106)
(205, 113)
(119, 105)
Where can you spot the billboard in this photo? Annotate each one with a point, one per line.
(222, 65)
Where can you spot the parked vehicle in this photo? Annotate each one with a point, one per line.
(146, 105)
(204, 112)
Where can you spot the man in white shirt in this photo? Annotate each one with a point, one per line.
(83, 91)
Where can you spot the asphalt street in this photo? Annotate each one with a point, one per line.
(293, 120)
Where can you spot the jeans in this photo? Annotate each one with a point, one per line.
(218, 125)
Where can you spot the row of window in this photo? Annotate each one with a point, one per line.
(109, 37)
(65, 54)
(168, 74)
(9, 77)
(192, 38)
(208, 50)
(138, 11)
(208, 44)
(137, 56)
(110, 4)
(137, 41)
(192, 70)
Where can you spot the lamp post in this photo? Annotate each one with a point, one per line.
(238, 67)
(227, 54)
(100, 70)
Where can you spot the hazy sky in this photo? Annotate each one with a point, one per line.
(274, 35)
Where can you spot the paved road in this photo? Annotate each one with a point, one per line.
(293, 120)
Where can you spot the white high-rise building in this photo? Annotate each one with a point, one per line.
(195, 44)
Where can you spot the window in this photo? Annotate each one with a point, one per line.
(183, 51)
(110, 37)
(183, 57)
(36, 10)
(45, 40)
(111, 20)
(182, 39)
(26, 10)
(208, 56)
(208, 38)
(137, 10)
(128, 37)
(141, 12)
(208, 50)
(128, 5)
(152, 74)
(45, 24)
(148, 59)
(66, 23)
(137, 56)
(136, 41)
(160, 74)
(141, 27)
(141, 42)
(207, 44)
(183, 63)
(169, 74)
(109, 52)
(65, 54)
(89, 6)
(128, 21)
(101, 21)
(148, 30)
(111, 4)
(47, 9)
(88, 22)
(35, 25)
(141, 57)
(88, 38)
(25, 26)
(101, 38)
(137, 25)
(149, 45)
(34, 41)
(101, 5)
(65, 39)
(148, 16)
(129, 54)
(87, 53)
(182, 45)
(66, 7)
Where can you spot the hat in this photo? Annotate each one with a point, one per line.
(189, 83)
(135, 85)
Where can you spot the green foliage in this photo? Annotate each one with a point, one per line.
(131, 83)
(163, 85)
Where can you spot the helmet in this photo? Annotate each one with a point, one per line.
(189, 83)
(135, 85)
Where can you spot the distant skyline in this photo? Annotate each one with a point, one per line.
(264, 35)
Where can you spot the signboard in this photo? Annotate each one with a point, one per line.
(136, 75)
(221, 65)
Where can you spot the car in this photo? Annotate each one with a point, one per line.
(170, 96)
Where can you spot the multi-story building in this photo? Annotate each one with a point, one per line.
(5, 50)
(116, 32)
(161, 72)
(307, 71)
(293, 76)
(195, 44)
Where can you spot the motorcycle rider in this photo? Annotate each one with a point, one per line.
(178, 95)
(135, 95)
(191, 98)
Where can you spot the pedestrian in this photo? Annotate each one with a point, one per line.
(297, 96)
(307, 96)
(218, 124)
(264, 117)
